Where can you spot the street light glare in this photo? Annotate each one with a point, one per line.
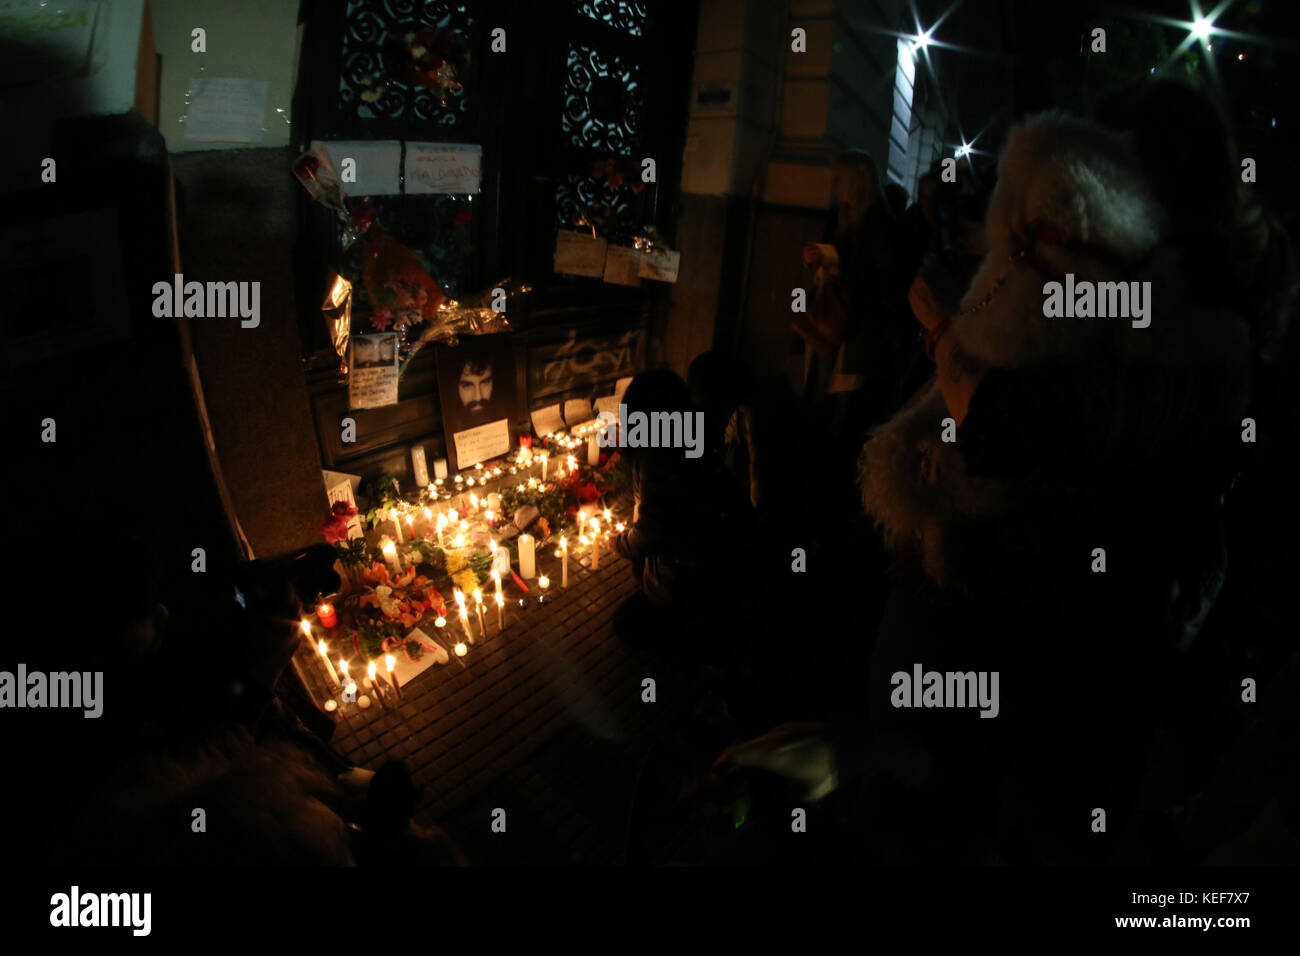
(1202, 28)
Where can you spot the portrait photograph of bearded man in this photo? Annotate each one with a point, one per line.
(476, 387)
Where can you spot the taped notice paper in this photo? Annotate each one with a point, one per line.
(443, 168)
(607, 403)
(226, 110)
(577, 411)
(547, 421)
(622, 265)
(578, 254)
(372, 383)
(660, 265)
(378, 165)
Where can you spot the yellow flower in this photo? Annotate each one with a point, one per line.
(466, 580)
(455, 561)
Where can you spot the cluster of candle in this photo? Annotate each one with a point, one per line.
(467, 495)
(346, 683)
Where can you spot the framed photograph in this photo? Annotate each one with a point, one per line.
(476, 386)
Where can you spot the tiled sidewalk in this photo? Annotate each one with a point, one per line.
(478, 728)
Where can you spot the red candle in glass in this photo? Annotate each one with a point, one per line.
(326, 614)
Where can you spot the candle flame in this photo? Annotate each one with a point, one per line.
(370, 671)
(461, 650)
(501, 599)
(390, 662)
(440, 621)
(544, 581)
(343, 666)
(305, 626)
(390, 549)
(322, 649)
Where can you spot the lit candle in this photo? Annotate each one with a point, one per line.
(496, 577)
(595, 544)
(397, 523)
(491, 518)
(325, 656)
(527, 567)
(305, 626)
(419, 466)
(593, 450)
(501, 603)
(478, 607)
(544, 582)
(460, 649)
(442, 523)
(391, 663)
(440, 468)
(326, 614)
(544, 457)
(573, 463)
(390, 555)
(564, 562)
(428, 521)
(410, 524)
(473, 504)
(373, 683)
(464, 614)
(350, 688)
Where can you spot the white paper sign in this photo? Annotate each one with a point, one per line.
(620, 387)
(378, 165)
(660, 265)
(372, 383)
(443, 168)
(226, 110)
(547, 421)
(479, 444)
(622, 265)
(578, 254)
(577, 411)
(607, 403)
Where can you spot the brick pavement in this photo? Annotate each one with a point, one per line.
(544, 719)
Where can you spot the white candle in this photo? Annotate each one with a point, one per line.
(442, 523)
(564, 562)
(543, 457)
(440, 468)
(397, 523)
(390, 555)
(496, 577)
(593, 451)
(419, 466)
(478, 608)
(595, 544)
(501, 603)
(527, 568)
(325, 656)
(391, 663)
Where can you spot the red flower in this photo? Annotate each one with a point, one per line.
(462, 216)
(382, 319)
(335, 529)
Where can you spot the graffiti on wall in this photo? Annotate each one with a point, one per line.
(575, 362)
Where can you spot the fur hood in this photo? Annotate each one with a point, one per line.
(1179, 382)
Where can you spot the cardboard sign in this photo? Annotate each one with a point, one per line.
(578, 254)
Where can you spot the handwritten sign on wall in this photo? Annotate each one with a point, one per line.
(443, 168)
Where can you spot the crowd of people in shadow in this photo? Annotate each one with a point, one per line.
(1087, 507)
